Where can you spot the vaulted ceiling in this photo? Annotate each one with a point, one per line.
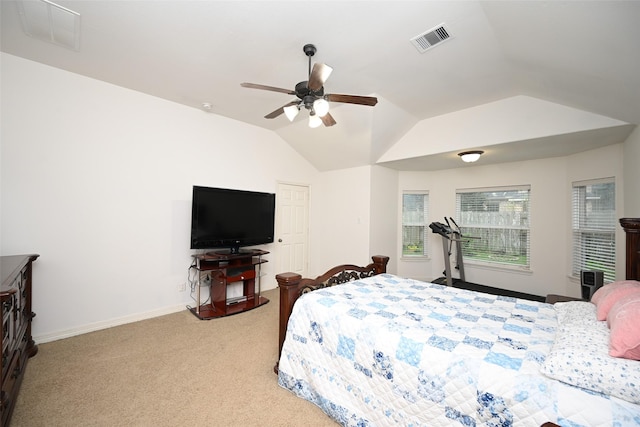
(579, 57)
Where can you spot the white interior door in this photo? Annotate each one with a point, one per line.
(292, 228)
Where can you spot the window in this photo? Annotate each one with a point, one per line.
(414, 224)
(497, 222)
(593, 225)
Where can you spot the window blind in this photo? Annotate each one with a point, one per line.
(498, 220)
(415, 215)
(593, 226)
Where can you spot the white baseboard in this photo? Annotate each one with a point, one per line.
(54, 336)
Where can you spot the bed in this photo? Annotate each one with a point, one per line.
(381, 350)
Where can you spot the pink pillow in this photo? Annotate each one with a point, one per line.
(624, 322)
(605, 297)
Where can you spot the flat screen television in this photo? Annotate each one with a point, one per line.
(231, 219)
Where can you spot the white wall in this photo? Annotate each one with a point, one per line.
(384, 214)
(353, 217)
(97, 179)
(603, 163)
(550, 181)
(632, 175)
(340, 219)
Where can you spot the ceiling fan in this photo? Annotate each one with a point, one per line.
(311, 95)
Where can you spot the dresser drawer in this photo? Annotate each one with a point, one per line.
(7, 325)
(8, 331)
(9, 378)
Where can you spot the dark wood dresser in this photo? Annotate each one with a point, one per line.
(17, 342)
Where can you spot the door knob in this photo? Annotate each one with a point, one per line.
(280, 240)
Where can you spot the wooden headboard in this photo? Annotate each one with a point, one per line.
(292, 285)
(631, 227)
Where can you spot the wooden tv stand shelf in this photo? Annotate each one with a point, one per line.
(225, 268)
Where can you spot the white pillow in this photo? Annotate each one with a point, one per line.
(580, 357)
(575, 312)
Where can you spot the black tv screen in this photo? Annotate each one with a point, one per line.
(226, 218)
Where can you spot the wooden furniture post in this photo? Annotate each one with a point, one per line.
(380, 262)
(288, 284)
(631, 227)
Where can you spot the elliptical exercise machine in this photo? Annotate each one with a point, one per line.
(449, 236)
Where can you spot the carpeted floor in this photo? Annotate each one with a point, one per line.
(173, 370)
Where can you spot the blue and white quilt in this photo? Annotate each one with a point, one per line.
(387, 351)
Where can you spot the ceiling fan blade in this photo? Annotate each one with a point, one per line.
(271, 88)
(352, 99)
(276, 113)
(319, 75)
(328, 120)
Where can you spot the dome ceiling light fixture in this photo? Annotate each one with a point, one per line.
(470, 156)
(311, 95)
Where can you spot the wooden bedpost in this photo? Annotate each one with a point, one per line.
(380, 262)
(288, 284)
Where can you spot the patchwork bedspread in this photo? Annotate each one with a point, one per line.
(386, 351)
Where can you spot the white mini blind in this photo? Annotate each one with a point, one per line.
(498, 219)
(415, 215)
(593, 226)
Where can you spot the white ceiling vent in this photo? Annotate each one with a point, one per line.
(50, 22)
(431, 38)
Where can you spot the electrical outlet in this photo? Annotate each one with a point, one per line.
(182, 287)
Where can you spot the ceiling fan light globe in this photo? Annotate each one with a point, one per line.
(321, 107)
(291, 112)
(314, 121)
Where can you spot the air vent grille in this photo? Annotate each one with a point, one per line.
(45, 20)
(431, 38)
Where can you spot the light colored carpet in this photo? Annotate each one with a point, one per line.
(173, 370)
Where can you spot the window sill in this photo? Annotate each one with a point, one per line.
(505, 268)
(406, 258)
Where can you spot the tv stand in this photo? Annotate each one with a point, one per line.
(230, 251)
(225, 267)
